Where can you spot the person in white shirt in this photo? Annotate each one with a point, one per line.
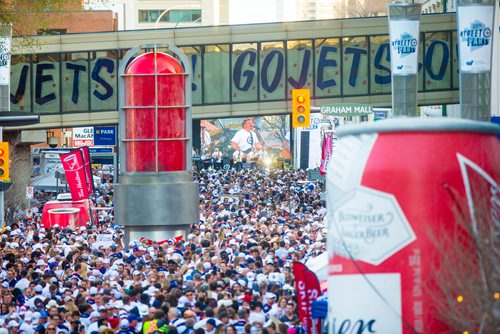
(217, 158)
(23, 283)
(246, 139)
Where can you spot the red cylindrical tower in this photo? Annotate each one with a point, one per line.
(155, 115)
(155, 196)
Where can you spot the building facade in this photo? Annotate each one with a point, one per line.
(150, 14)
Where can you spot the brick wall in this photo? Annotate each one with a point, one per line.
(71, 21)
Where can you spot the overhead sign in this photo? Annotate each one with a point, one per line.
(475, 37)
(104, 136)
(83, 137)
(346, 109)
(65, 150)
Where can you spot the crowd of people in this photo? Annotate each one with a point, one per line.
(232, 274)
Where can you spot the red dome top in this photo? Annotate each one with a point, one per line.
(144, 64)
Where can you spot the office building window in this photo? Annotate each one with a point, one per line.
(51, 31)
(172, 16)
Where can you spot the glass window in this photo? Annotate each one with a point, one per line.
(380, 75)
(75, 77)
(104, 81)
(20, 87)
(216, 73)
(437, 60)
(272, 71)
(46, 83)
(421, 53)
(175, 16)
(327, 67)
(150, 16)
(194, 55)
(355, 65)
(244, 72)
(299, 64)
(454, 65)
(51, 31)
(172, 16)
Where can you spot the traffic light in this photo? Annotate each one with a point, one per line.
(4, 161)
(301, 108)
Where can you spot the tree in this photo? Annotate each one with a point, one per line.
(27, 16)
(466, 273)
(15, 198)
(362, 8)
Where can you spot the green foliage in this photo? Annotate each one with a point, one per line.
(26, 16)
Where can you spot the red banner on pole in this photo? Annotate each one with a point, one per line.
(87, 167)
(72, 163)
(308, 290)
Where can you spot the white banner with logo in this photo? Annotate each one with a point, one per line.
(475, 38)
(83, 137)
(5, 44)
(404, 37)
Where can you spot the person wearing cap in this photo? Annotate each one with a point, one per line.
(13, 327)
(44, 316)
(133, 323)
(210, 326)
(27, 325)
(124, 327)
(94, 322)
(38, 295)
(270, 308)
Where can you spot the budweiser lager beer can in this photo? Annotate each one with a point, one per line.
(392, 187)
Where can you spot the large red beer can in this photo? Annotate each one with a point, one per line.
(395, 189)
(155, 114)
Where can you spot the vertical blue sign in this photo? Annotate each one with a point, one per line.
(104, 135)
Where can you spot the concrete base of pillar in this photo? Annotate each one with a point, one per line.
(156, 207)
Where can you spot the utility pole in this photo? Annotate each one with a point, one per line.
(5, 46)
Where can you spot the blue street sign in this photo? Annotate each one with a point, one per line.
(67, 149)
(104, 135)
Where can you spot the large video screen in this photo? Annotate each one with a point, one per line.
(263, 140)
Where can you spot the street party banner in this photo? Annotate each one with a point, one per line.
(87, 167)
(5, 46)
(404, 46)
(73, 165)
(308, 290)
(475, 38)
